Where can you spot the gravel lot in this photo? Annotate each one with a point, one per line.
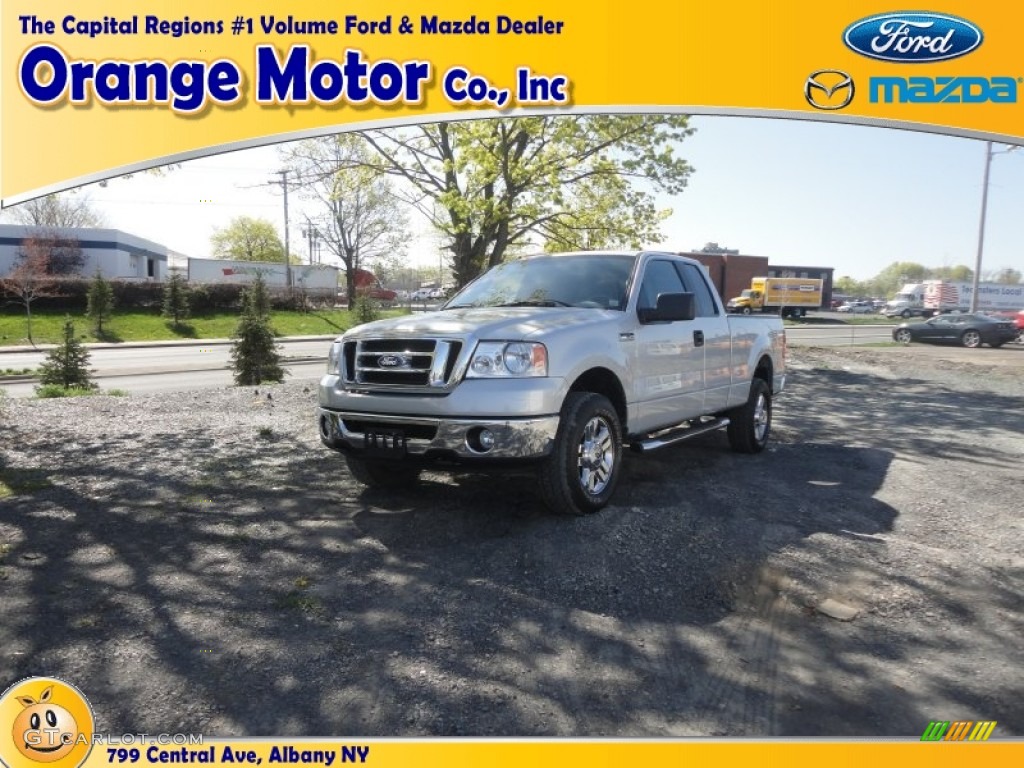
(198, 563)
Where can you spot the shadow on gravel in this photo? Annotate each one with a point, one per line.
(226, 585)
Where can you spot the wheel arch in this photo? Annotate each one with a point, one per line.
(765, 370)
(602, 381)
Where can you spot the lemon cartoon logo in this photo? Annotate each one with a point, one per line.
(50, 722)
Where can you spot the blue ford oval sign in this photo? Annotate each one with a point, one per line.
(912, 37)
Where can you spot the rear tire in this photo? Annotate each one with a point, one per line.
(971, 339)
(583, 469)
(382, 474)
(751, 423)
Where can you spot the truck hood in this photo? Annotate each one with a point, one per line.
(512, 323)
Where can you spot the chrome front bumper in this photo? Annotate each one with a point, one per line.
(513, 438)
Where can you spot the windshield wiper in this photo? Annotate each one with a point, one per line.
(535, 303)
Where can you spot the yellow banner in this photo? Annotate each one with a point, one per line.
(94, 89)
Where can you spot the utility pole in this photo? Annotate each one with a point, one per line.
(287, 252)
(981, 227)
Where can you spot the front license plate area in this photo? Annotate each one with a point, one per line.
(385, 442)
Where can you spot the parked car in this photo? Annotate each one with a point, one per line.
(857, 307)
(966, 329)
(420, 294)
(1017, 318)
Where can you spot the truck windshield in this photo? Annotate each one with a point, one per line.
(747, 293)
(591, 280)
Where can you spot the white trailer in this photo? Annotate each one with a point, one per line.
(950, 296)
(312, 278)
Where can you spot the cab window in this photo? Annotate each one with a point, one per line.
(659, 277)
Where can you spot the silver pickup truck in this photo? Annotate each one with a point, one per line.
(557, 360)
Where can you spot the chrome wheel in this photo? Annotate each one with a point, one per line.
(903, 336)
(971, 339)
(761, 418)
(596, 456)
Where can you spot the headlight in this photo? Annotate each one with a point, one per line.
(333, 357)
(493, 359)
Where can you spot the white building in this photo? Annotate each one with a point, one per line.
(115, 254)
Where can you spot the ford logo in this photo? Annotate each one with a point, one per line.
(912, 37)
(392, 361)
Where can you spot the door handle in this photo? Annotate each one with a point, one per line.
(698, 338)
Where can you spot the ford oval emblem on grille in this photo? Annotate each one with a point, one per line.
(393, 361)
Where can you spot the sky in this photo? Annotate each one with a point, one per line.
(855, 198)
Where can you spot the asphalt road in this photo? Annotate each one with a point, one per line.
(171, 368)
(110, 360)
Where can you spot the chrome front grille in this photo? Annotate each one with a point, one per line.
(400, 362)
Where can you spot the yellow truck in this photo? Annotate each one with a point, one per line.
(785, 296)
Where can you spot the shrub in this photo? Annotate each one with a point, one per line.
(177, 301)
(67, 364)
(366, 309)
(100, 302)
(254, 355)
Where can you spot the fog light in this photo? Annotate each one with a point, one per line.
(480, 440)
(325, 429)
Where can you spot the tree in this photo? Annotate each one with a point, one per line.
(1007, 276)
(254, 355)
(99, 302)
(361, 219)
(57, 211)
(489, 185)
(67, 364)
(177, 299)
(892, 278)
(248, 239)
(959, 273)
(30, 279)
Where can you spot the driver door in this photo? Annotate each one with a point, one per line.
(669, 366)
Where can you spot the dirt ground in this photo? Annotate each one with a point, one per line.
(198, 563)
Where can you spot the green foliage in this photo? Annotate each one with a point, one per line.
(254, 355)
(1007, 276)
(100, 302)
(256, 298)
(46, 391)
(491, 185)
(366, 310)
(67, 365)
(248, 239)
(177, 299)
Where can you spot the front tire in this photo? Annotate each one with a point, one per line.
(903, 336)
(751, 423)
(746, 310)
(971, 339)
(905, 314)
(583, 469)
(382, 474)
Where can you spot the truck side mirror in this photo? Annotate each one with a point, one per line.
(670, 307)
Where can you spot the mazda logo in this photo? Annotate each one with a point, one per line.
(393, 361)
(828, 89)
